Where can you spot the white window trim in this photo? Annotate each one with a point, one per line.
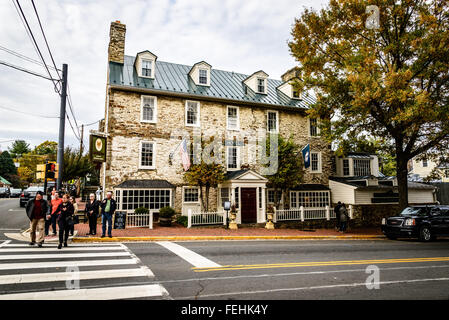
(264, 85)
(281, 200)
(238, 118)
(277, 121)
(227, 158)
(318, 131)
(343, 167)
(198, 124)
(319, 162)
(299, 94)
(155, 109)
(190, 187)
(207, 77)
(152, 68)
(154, 155)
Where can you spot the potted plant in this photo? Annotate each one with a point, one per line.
(165, 216)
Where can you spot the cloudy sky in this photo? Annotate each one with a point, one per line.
(233, 35)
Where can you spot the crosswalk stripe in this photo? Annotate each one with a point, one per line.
(188, 255)
(20, 245)
(56, 264)
(54, 249)
(62, 255)
(143, 271)
(3, 244)
(126, 292)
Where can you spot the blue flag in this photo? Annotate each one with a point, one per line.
(306, 155)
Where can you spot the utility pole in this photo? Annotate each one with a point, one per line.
(81, 141)
(60, 158)
(45, 179)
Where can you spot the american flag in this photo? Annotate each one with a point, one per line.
(184, 155)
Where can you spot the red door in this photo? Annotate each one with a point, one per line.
(249, 205)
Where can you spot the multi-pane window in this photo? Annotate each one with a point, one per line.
(237, 197)
(147, 155)
(146, 68)
(192, 113)
(271, 196)
(261, 85)
(314, 129)
(148, 111)
(424, 163)
(260, 198)
(191, 194)
(232, 158)
(346, 167)
(272, 121)
(233, 118)
(203, 76)
(295, 93)
(362, 167)
(315, 162)
(149, 198)
(224, 195)
(309, 199)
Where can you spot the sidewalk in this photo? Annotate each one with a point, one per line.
(178, 232)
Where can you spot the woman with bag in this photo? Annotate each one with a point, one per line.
(65, 219)
(92, 210)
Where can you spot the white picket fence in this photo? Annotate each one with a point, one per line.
(304, 213)
(205, 218)
(140, 220)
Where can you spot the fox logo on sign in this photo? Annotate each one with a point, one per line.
(306, 155)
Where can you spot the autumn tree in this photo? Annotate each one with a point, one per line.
(387, 79)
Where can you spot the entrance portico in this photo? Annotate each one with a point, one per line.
(247, 190)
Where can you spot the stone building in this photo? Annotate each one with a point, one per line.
(153, 106)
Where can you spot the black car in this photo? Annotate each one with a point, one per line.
(422, 222)
(29, 193)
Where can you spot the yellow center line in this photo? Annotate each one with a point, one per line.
(320, 263)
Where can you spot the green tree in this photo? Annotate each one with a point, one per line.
(7, 166)
(290, 171)
(18, 148)
(390, 82)
(47, 148)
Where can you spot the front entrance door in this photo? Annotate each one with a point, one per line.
(249, 205)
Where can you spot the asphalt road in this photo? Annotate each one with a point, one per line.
(12, 216)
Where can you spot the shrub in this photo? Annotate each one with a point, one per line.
(141, 210)
(166, 212)
(183, 220)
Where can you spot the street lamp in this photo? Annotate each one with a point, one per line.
(227, 207)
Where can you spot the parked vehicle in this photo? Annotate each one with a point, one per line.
(422, 222)
(4, 192)
(15, 193)
(29, 193)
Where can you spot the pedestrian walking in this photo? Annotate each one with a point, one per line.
(75, 212)
(98, 193)
(337, 215)
(108, 207)
(65, 219)
(344, 217)
(92, 210)
(51, 219)
(37, 209)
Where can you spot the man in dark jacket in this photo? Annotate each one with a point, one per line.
(91, 209)
(108, 207)
(37, 209)
(337, 215)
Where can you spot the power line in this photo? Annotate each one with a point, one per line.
(69, 99)
(33, 40)
(28, 113)
(14, 53)
(89, 124)
(71, 126)
(25, 70)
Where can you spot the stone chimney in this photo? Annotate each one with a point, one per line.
(116, 50)
(290, 74)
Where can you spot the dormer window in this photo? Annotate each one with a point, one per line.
(147, 66)
(260, 85)
(295, 94)
(203, 76)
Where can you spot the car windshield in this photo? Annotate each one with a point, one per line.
(32, 189)
(410, 211)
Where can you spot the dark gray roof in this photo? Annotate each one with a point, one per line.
(174, 78)
(146, 184)
(310, 187)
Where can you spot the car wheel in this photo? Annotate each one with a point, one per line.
(425, 234)
(391, 237)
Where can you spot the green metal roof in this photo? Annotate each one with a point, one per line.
(174, 78)
(4, 181)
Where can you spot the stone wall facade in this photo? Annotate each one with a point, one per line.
(126, 131)
(116, 49)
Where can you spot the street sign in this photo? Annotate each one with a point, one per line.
(97, 148)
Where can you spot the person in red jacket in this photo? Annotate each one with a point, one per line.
(54, 203)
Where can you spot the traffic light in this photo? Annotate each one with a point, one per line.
(52, 170)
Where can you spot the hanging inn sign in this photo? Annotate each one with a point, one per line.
(97, 148)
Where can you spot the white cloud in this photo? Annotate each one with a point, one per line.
(241, 36)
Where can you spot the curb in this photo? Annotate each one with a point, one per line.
(202, 238)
